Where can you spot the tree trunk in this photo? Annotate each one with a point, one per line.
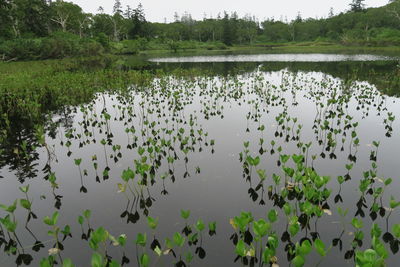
(64, 26)
(366, 33)
(15, 28)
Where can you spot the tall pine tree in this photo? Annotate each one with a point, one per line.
(357, 5)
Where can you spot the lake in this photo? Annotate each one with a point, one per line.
(287, 137)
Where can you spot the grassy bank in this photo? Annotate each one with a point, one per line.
(69, 46)
(29, 90)
(308, 47)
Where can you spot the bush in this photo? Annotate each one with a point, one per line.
(116, 47)
(90, 48)
(20, 49)
(221, 46)
(216, 46)
(173, 45)
(130, 47)
(58, 45)
(385, 33)
(103, 39)
(142, 44)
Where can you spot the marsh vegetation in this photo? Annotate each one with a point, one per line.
(106, 162)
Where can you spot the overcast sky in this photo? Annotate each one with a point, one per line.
(159, 10)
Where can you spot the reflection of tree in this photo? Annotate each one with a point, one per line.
(381, 74)
(19, 150)
(18, 147)
(66, 118)
(19, 144)
(214, 68)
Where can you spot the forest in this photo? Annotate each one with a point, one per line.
(42, 29)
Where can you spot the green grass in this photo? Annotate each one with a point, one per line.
(30, 89)
(302, 47)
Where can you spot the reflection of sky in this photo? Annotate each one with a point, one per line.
(219, 192)
(274, 58)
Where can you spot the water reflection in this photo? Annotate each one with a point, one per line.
(258, 140)
(275, 58)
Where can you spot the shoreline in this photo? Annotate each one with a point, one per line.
(291, 48)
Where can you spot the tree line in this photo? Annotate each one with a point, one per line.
(47, 25)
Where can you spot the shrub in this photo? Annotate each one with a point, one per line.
(90, 48)
(20, 49)
(58, 45)
(117, 47)
(386, 33)
(103, 39)
(130, 47)
(222, 46)
(58, 48)
(173, 45)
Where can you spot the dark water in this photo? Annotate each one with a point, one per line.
(230, 105)
(275, 58)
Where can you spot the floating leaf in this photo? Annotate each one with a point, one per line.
(185, 214)
(97, 260)
(320, 247)
(298, 261)
(240, 248)
(141, 239)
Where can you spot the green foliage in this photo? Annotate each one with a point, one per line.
(152, 222)
(103, 39)
(185, 214)
(99, 236)
(320, 247)
(141, 239)
(240, 248)
(173, 45)
(51, 221)
(138, 26)
(369, 258)
(29, 91)
(127, 175)
(178, 239)
(25, 204)
(68, 263)
(97, 260)
(298, 261)
(11, 208)
(396, 230)
(87, 214)
(357, 223)
(58, 45)
(261, 227)
(9, 224)
(272, 216)
(357, 5)
(212, 226)
(62, 29)
(294, 228)
(21, 49)
(144, 260)
(305, 248)
(200, 225)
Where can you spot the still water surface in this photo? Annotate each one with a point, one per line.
(230, 109)
(275, 58)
